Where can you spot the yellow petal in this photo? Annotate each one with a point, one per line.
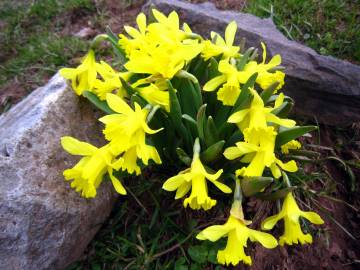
(238, 116)
(271, 221)
(214, 83)
(267, 240)
(174, 182)
(230, 33)
(76, 147)
(224, 188)
(313, 217)
(182, 190)
(117, 104)
(116, 183)
(214, 233)
(289, 166)
(282, 122)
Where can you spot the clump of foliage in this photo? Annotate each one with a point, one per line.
(208, 112)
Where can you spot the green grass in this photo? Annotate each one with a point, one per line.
(31, 39)
(331, 27)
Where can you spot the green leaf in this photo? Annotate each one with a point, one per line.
(176, 116)
(279, 194)
(180, 264)
(212, 152)
(267, 93)
(198, 253)
(211, 132)
(237, 136)
(253, 185)
(183, 156)
(244, 59)
(152, 113)
(130, 91)
(139, 100)
(100, 104)
(283, 110)
(192, 124)
(114, 42)
(245, 92)
(291, 134)
(201, 121)
(213, 68)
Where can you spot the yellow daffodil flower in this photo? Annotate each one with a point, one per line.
(258, 150)
(221, 46)
(258, 115)
(126, 132)
(88, 173)
(293, 144)
(230, 90)
(164, 61)
(238, 234)
(138, 37)
(194, 178)
(167, 29)
(110, 81)
(290, 213)
(155, 95)
(83, 77)
(264, 78)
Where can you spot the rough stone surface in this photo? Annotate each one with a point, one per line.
(322, 86)
(44, 224)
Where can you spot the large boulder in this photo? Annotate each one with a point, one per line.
(323, 87)
(44, 224)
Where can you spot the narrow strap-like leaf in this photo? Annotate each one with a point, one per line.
(100, 104)
(291, 134)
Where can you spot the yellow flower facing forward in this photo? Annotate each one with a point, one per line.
(110, 81)
(194, 178)
(230, 90)
(258, 151)
(83, 77)
(221, 46)
(292, 145)
(88, 173)
(258, 115)
(291, 213)
(238, 235)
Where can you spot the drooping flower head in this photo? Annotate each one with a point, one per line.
(82, 77)
(291, 213)
(88, 173)
(194, 178)
(238, 235)
(126, 130)
(110, 81)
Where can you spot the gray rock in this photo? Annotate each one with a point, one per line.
(44, 224)
(322, 86)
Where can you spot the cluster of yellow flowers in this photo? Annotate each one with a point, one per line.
(162, 70)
